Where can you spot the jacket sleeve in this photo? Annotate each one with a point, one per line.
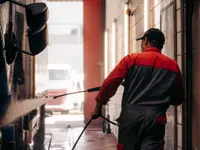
(112, 82)
(179, 95)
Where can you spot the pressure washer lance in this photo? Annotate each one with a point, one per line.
(88, 90)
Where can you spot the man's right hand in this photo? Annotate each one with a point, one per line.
(97, 111)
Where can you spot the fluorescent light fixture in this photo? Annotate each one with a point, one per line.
(146, 15)
(126, 30)
(106, 54)
(113, 43)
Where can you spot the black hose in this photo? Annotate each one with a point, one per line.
(50, 141)
(109, 121)
(92, 118)
(82, 133)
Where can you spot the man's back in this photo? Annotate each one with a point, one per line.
(152, 83)
(151, 79)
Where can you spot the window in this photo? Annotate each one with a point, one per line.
(59, 75)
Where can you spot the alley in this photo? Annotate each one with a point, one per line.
(65, 130)
(50, 50)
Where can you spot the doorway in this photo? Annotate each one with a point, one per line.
(65, 71)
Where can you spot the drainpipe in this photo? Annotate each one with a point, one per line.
(175, 57)
(183, 70)
(187, 116)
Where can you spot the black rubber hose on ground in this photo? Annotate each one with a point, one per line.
(92, 118)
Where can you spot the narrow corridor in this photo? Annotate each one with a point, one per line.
(65, 130)
(79, 53)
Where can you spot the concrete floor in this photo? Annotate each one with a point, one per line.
(66, 129)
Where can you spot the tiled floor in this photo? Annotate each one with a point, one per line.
(94, 139)
(65, 137)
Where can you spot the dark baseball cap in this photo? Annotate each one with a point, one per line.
(154, 36)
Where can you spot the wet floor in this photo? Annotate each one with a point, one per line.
(65, 130)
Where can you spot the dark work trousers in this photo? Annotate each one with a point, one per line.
(141, 128)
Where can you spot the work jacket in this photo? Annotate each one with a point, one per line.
(150, 79)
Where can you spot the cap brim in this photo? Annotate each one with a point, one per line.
(140, 38)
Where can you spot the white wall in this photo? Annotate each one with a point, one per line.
(67, 54)
(65, 13)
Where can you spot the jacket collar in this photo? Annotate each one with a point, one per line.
(152, 49)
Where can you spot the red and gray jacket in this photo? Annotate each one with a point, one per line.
(151, 79)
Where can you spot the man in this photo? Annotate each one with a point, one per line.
(153, 82)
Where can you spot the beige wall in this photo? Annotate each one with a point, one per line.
(136, 28)
(136, 25)
(179, 60)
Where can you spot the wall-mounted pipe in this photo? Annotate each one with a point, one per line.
(183, 70)
(187, 141)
